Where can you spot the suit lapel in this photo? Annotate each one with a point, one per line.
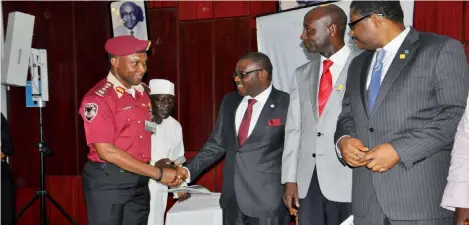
(364, 70)
(266, 114)
(313, 84)
(238, 101)
(408, 50)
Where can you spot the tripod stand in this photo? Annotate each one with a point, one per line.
(42, 193)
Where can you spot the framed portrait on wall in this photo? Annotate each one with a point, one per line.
(129, 18)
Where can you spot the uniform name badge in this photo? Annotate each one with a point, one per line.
(150, 126)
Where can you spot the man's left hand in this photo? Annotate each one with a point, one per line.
(462, 216)
(382, 158)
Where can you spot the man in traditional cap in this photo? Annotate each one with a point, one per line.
(166, 144)
(115, 111)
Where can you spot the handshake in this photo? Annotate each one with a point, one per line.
(171, 172)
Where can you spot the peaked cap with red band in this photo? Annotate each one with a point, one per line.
(126, 45)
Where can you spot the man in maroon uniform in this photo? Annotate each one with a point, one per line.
(115, 113)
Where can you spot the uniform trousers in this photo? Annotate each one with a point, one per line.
(115, 196)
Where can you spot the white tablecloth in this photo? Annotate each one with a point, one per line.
(197, 210)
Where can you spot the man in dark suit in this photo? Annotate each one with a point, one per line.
(404, 98)
(8, 188)
(250, 130)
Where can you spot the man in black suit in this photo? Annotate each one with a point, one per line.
(250, 129)
(8, 189)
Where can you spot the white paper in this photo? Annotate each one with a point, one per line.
(348, 221)
(194, 189)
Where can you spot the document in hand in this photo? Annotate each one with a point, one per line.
(194, 189)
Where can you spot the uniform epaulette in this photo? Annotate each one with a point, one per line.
(104, 88)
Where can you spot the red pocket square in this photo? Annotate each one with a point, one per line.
(274, 122)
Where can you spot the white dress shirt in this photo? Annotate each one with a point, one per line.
(391, 50)
(339, 58)
(256, 109)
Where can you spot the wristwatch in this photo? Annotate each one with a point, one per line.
(161, 174)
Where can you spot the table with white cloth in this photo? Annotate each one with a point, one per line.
(197, 210)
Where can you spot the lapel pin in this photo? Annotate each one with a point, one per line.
(272, 106)
(402, 56)
(406, 51)
(340, 88)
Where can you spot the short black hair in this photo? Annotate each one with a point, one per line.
(389, 9)
(262, 60)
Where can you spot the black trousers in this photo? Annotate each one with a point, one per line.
(114, 196)
(315, 209)
(232, 215)
(8, 196)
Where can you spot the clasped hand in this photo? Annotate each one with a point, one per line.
(173, 175)
(380, 159)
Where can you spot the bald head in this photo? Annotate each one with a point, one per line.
(329, 15)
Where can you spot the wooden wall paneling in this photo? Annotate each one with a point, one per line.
(195, 101)
(259, 8)
(162, 58)
(433, 16)
(23, 121)
(166, 4)
(222, 9)
(231, 43)
(58, 35)
(253, 43)
(92, 63)
(52, 31)
(466, 22)
(195, 10)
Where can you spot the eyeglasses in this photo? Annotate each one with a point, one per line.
(352, 24)
(241, 75)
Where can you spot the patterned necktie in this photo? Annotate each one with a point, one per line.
(244, 126)
(375, 83)
(325, 85)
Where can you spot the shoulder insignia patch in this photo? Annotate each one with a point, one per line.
(120, 89)
(103, 90)
(90, 111)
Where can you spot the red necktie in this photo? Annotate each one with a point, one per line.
(325, 86)
(244, 127)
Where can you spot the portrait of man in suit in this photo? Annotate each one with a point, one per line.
(315, 180)
(129, 19)
(404, 98)
(250, 131)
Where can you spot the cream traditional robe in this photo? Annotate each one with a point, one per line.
(166, 142)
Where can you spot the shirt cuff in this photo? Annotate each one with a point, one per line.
(337, 149)
(188, 179)
(456, 195)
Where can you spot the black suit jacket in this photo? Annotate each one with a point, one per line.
(7, 148)
(252, 171)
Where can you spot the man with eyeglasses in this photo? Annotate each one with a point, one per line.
(250, 130)
(404, 99)
(316, 182)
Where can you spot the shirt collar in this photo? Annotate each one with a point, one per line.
(394, 45)
(340, 57)
(120, 89)
(262, 97)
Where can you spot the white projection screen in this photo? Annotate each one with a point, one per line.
(278, 36)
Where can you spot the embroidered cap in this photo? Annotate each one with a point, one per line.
(161, 87)
(126, 45)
